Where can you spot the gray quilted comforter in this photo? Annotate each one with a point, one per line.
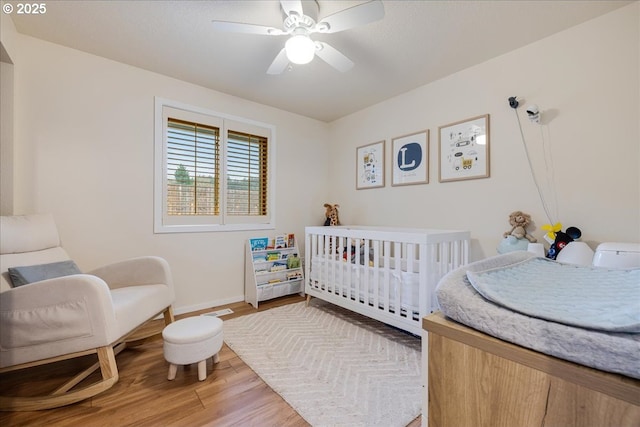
(598, 330)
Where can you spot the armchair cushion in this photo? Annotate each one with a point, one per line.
(34, 273)
(28, 233)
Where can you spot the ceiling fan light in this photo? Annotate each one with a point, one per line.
(300, 49)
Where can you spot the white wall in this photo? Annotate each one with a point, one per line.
(7, 33)
(6, 135)
(84, 152)
(586, 80)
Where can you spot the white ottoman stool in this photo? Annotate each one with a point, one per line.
(192, 340)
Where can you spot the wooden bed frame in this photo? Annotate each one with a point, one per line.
(478, 380)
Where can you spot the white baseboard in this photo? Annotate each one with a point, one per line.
(203, 306)
(206, 305)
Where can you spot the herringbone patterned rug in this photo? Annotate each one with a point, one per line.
(335, 367)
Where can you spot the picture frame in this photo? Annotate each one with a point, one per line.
(463, 149)
(410, 159)
(370, 166)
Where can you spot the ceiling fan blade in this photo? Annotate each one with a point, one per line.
(240, 27)
(354, 16)
(333, 57)
(292, 6)
(279, 64)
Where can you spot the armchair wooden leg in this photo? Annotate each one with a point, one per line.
(63, 395)
(107, 360)
(168, 316)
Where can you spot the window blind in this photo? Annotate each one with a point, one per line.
(246, 174)
(193, 168)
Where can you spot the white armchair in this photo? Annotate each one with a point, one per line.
(74, 315)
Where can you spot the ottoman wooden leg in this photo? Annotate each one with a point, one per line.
(202, 370)
(216, 358)
(172, 371)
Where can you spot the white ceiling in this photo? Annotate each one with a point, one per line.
(417, 42)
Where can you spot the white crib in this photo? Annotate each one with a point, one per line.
(388, 274)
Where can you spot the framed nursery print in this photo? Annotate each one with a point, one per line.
(464, 149)
(370, 166)
(410, 159)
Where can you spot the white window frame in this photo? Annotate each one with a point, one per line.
(223, 222)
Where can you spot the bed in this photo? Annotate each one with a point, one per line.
(388, 274)
(508, 365)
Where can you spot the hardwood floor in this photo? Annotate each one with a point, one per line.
(232, 394)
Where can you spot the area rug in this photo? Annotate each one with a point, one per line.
(334, 367)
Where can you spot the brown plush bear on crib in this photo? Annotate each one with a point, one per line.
(331, 214)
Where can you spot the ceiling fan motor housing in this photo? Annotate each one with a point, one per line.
(293, 20)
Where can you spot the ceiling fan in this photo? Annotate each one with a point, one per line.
(300, 21)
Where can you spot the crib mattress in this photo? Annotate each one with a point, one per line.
(617, 352)
(406, 283)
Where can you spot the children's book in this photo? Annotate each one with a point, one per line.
(272, 256)
(281, 241)
(259, 243)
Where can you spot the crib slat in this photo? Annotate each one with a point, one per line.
(340, 280)
(398, 273)
(348, 269)
(330, 257)
(308, 253)
(376, 273)
(325, 255)
(386, 270)
(424, 291)
(356, 268)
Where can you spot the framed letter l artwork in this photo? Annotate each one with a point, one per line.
(370, 166)
(410, 159)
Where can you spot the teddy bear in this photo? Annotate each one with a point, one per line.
(331, 214)
(519, 221)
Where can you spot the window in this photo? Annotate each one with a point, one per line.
(246, 174)
(193, 164)
(212, 171)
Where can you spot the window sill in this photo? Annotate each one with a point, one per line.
(202, 228)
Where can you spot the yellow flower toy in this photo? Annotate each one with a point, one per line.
(551, 231)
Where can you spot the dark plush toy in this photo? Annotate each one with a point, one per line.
(562, 240)
(362, 257)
